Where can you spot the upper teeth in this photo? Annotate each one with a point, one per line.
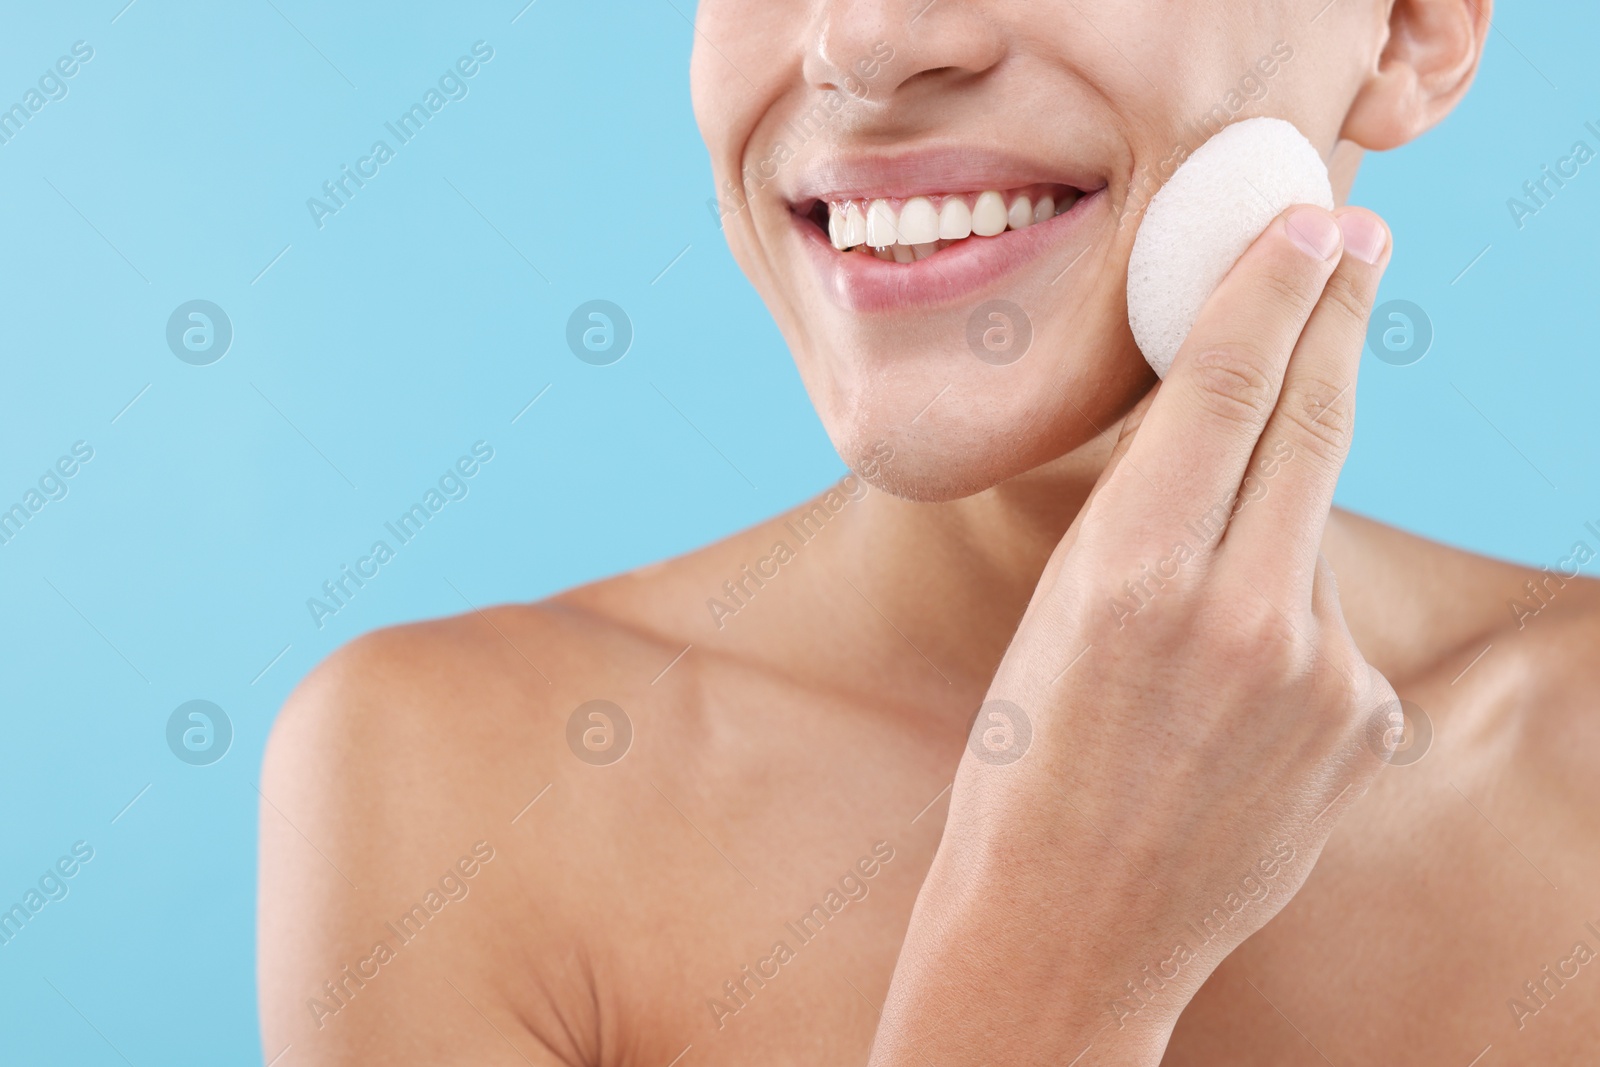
(919, 221)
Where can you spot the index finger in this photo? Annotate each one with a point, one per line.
(1312, 424)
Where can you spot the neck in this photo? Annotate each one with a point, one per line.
(939, 589)
(954, 578)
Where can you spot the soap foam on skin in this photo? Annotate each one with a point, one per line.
(1198, 225)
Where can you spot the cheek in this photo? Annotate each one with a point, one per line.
(745, 55)
(714, 112)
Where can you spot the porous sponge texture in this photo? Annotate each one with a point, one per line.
(1197, 226)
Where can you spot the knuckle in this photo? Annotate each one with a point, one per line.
(1351, 296)
(1335, 671)
(1233, 382)
(1325, 589)
(1323, 416)
(1255, 636)
(1295, 284)
(1345, 673)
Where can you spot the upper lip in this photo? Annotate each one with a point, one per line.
(866, 175)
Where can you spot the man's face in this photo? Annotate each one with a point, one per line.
(1001, 153)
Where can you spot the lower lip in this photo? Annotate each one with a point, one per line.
(860, 282)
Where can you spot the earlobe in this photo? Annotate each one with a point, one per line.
(1426, 63)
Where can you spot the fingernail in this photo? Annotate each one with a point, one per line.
(1313, 231)
(1364, 235)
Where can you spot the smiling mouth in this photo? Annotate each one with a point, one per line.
(909, 229)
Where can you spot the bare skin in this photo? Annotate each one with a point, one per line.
(607, 922)
(1200, 773)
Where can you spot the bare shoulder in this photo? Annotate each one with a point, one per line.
(405, 713)
(1540, 657)
(1551, 641)
(402, 715)
(1512, 649)
(406, 856)
(452, 846)
(425, 691)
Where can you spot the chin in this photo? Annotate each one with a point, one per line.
(933, 472)
(986, 429)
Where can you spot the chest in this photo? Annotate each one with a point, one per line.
(1452, 916)
(1435, 945)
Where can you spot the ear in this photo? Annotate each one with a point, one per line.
(1429, 56)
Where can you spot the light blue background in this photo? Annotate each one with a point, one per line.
(376, 350)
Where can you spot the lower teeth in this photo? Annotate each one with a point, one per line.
(898, 253)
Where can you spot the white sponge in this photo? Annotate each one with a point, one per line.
(1211, 209)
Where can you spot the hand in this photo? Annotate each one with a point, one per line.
(1182, 714)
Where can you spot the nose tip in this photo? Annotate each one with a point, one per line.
(849, 52)
(872, 48)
